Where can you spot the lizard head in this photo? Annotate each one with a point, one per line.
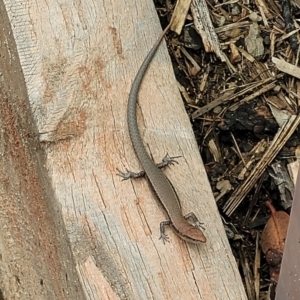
(189, 233)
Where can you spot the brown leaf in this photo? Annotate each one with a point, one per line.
(273, 239)
(274, 234)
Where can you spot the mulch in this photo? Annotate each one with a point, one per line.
(244, 111)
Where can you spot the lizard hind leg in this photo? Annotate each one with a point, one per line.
(193, 217)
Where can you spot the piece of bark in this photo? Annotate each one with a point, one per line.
(286, 67)
(79, 60)
(205, 28)
(179, 15)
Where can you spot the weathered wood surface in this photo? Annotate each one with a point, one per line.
(79, 59)
(35, 256)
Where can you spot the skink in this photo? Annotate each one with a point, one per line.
(158, 181)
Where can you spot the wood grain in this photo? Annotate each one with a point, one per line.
(36, 259)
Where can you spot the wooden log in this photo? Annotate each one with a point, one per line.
(79, 59)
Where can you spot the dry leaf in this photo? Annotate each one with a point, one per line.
(273, 239)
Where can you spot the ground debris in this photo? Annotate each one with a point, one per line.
(241, 88)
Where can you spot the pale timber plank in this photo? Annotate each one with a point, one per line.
(35, 257)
